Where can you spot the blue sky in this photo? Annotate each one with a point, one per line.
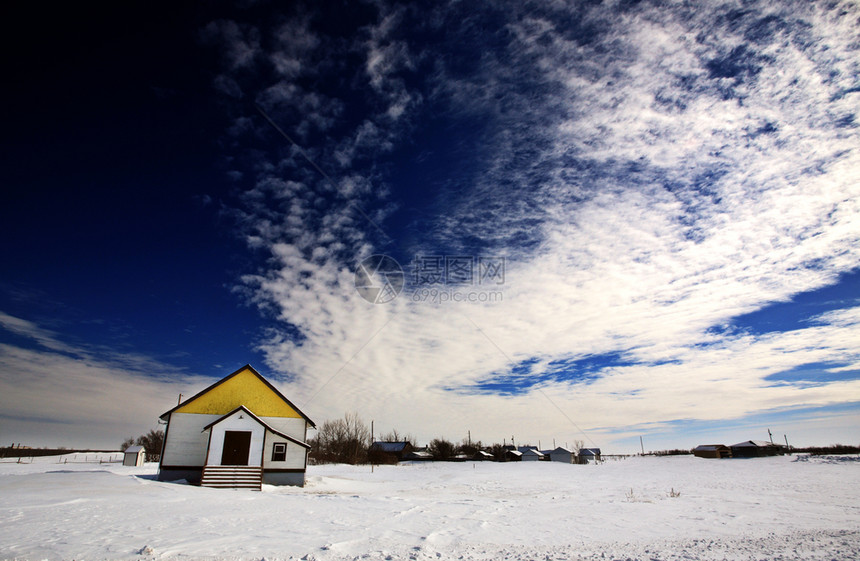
(614, 219)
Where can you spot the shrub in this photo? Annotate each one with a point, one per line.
(441, 449)
(152, 443)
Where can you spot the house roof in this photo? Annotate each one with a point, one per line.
(419, 454)
(533, 452)
(561, 449)
(389, 446)
(589, 452)
(259, 420)
(133, 449)
(710, 447)
(246, 368)
(753, 444)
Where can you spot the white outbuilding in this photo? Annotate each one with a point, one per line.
(562, 454)
(134, 456)
(589, 456)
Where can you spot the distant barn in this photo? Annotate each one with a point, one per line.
(712, 451)
(756, 449)
(396, 450)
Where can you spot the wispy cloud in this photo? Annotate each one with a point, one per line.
(649, 172)
(53, 393)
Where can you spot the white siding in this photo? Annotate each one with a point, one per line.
(238, 421)
(561, 455)
(186, 442)
(134, 458)
(296, 455)
(291, 426)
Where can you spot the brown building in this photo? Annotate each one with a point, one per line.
(712, 451)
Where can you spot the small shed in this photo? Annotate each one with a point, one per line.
(562, 454)
(712, 451)
(483, 456)
(589, 455)
(134, 456)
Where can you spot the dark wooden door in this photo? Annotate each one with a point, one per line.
(237, 446)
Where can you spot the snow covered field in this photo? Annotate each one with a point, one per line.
(768, 508)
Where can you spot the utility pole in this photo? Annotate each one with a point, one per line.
(641, 445)
(787, 447)
(770, 434)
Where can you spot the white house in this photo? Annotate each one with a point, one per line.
(238, 432)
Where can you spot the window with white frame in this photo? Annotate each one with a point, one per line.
(279, 452)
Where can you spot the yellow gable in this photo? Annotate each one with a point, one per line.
(243, 388)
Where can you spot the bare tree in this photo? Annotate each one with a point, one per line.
(342, 440)
(395, 436)
(578, 445)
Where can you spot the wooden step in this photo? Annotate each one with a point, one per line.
(232, 477)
